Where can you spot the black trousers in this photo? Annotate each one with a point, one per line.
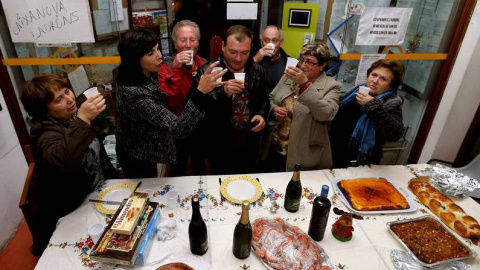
(135, 168)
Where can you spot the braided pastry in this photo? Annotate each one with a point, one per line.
(444, 208)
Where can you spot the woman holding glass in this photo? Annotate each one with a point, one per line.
(69, 158)
(367, 119)
(302, 105)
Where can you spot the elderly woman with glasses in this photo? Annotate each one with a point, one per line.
(147, 129)
(302, 105)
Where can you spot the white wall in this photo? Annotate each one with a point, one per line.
(460, 100)
(13, 169)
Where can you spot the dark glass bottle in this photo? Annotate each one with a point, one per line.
(294, 191)
(242, 235)
(197, 230)
(319, 218)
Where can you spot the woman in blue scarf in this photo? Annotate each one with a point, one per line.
(366, 120)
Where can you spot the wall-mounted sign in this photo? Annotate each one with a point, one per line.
(49, 21)
(383, 26)
(242, 11)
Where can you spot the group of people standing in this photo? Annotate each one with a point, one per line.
(275, 118)
(185, 107)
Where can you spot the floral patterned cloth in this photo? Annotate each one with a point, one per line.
(369, 248)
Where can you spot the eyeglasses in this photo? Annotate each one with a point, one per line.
(307, 62)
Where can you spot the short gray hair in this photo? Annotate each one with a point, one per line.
(183, 23)
(318, 50)
(272, 26)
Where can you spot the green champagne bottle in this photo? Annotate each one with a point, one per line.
(242, 235)
(197, 230)
(294, 191)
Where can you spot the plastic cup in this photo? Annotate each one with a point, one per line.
(271, 45)
(149, 192)
(95, 231)
(218, 69)
(172, 199)
(364, 89)
(291, 62)
(240, 76)
(191, 61)
(90, 92)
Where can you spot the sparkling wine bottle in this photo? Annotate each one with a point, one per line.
(293, 194)
(319, 218)
(242, 236)
(197, 230)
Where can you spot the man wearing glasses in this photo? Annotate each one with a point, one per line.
(271, 56)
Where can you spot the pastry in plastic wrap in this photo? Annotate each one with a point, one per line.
(282, 246)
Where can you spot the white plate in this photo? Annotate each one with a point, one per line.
(413, 205)
(117, 193)
(239, 188)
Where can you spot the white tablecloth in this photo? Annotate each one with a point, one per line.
(369, 248)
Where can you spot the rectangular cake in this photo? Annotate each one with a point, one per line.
(372, 194)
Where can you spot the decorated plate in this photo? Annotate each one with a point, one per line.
(238, 188)
(116, 192)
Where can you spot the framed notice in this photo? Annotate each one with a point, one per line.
(299, 17)
(110, 18)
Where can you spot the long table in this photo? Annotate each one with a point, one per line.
(370, 247)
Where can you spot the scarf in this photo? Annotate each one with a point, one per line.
(363, 135)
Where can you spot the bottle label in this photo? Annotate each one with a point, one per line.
(244, 250)
(204, 245)
(293, 204)
(322, 222)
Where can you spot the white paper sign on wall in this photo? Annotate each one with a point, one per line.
(383, 26)
(51, 21)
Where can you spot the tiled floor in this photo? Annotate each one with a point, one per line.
(16, 254)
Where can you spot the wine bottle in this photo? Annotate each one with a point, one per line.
(319, 218)
(197, 230)
(294, 191)
(242, 235)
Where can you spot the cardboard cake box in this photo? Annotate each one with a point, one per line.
(129, 214)
(123, 249)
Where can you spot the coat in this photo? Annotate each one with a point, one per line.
(147, 129)
(308, 143)
(216, 131)
(61, 183)
(386, 116)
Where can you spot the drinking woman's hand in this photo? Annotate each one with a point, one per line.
(91, 108)
(208, 81)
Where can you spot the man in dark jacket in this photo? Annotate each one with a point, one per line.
(236, 112)
(271, 56)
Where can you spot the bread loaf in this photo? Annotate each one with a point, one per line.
(444, 208)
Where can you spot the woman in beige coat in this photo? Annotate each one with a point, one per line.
(303, 104)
